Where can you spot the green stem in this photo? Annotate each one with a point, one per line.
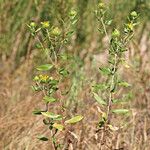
(111, 86)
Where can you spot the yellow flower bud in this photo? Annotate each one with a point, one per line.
(134, 14)
(33, 24)
(72, 13)
(56, 31)
(130, 26)
(101, 5)
(45, 24)
(116, 33)
(36, 78)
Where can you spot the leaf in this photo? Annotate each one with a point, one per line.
(120, 111)
(44, 67)
(63, 72)
(70, 33)
(35, 88)
(125, 84)
(58, 126)
(37, 112)
(46, 121)
(51, 115)
(42, 138)
(105, 70)
(48, 99)
(75, 21)
(74, 119)
(99, 99)
(100, 86)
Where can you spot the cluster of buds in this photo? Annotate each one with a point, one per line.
(45, 24)
(129, 27)
(42, 78)
(56, 31)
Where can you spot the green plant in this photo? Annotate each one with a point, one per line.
(107, 94)
(51, 39)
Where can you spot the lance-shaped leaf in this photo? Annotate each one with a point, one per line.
(42, 138)
(74, 119)
(48, 99)
(105, 70)
(44, 67)
(60, 127)
(99, 99)
(37, 112)
(51, 115)
(123, 83)
(120, 111)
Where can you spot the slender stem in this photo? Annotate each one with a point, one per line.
(111, 86)
(43, 48)
(54, 143)
(104, 27)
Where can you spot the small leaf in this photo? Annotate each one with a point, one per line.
(101, 86)
(42, 138)
(120, 111)
(125, 84)
(58, 126)
(105, 70)
(46, 121)
(70, 33)
(99, 99)
(51, 115)
(48, 99)
(35, 88)
(63, 72)
(37, 112)
(44, 67)
(75, 21)
(74, 119)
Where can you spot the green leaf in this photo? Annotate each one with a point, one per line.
(99, 99)
(42, 138)
(51, 115)
(35, 88)
(74, 119)
(58, 126)
(105, 70)
(37, 112)
(75, 21)
(120, 111)
(48, 99)
(70, 33)
(63, 72)
(44, 67)
(123, 83)
(101, 86)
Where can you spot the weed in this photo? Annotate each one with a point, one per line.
(51, 39)
(110, 98)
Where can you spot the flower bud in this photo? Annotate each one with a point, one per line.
(45, 24)
(130, 26)
(36, 78)
(116, 33)
(33, 24)
(134, 14)
(72, 13)
(56, 31)
(101, 5)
